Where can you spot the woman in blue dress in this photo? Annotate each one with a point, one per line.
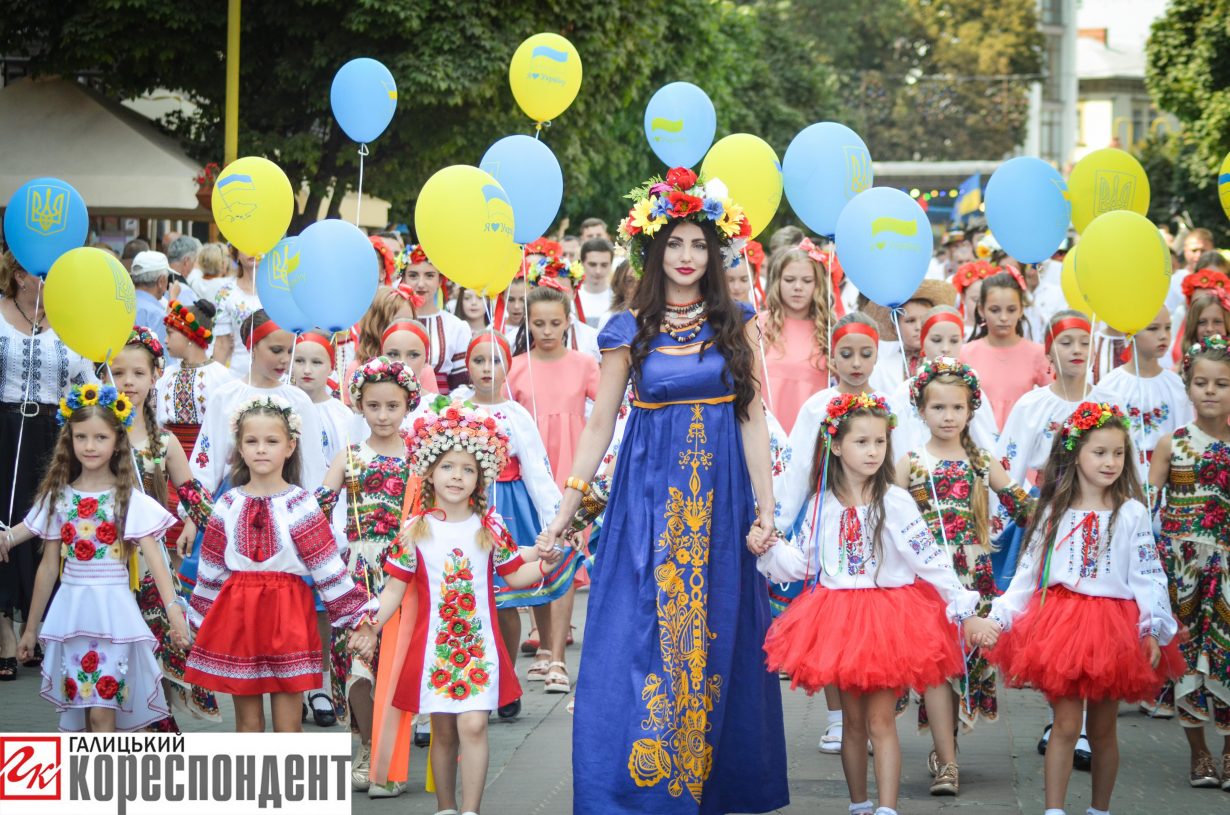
(675, 711)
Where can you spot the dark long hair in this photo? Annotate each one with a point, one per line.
(1002, 280)
(725, 316)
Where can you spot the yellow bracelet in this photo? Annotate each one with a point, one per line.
(572, 482)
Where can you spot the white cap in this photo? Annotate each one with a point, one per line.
(148, 266)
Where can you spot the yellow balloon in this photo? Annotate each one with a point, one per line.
(1123, 268)
(1104, 181)
(90, 302)
(1067, 282)
(252, 203)
(1223, 186)
(749, 168)
(464, 221)
(545, 75)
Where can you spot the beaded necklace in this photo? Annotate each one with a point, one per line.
(684, 322)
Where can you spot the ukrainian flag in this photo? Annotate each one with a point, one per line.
(969, 196)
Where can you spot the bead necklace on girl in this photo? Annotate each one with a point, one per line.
(457, 668)
(1086, 619)
(99, 680)
(950, 479)
(364, 490)
(866, 544)
(158, 458)
(255, 614)
(1028, 433)
(1191, 470)
(184, 391)
(313, 364)
(1153, 399)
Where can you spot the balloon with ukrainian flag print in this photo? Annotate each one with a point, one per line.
(464, 221)
(545, 75)
(252, 204)
(1104, 181)
(1223, 185)
(90, 302)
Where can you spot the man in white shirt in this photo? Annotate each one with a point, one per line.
(595, 292)
(1197, 242)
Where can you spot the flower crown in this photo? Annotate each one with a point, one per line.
(1214, 342)
(270, 402)
(412, 255)
(843, 404)
(970, 273)
(457, 425)
(142, 336)
(945, 366)
(383, 369)
(1087, 417)
(552, 267)
(182, 319)
(682, 196)
(544, 246)
(107, 396)
(1206, 280)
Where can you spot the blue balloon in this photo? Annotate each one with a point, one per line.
(337, 276)
(825, 166)
(884, 243)
(364, 97)
(1028, 209)
(44, 219)
(532, 179)
(273, 285)
(680, 123)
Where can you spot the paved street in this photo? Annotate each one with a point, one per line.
(1001, 772)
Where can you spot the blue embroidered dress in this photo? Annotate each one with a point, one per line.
(675, 710)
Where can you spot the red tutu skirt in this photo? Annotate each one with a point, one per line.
(258, 637)
(865, 640)
(1076, 645)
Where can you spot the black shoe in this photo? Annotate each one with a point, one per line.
(1046, 736)
(1082, 759)
(305, 714)
(422, 738)
(324, 716)
(510, 711)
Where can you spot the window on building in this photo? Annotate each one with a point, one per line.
(1051, 12)
(1051, 135)
(1052, 86)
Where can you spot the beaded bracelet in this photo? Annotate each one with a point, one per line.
(574, 483)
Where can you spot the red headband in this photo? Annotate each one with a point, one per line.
(936, 319)
(1066, 324)
(260, 332)
(855, 328)
(322, 341)
(407, 325)
(489, 336)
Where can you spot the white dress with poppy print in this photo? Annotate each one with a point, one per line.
(457, 662)
(98, 651)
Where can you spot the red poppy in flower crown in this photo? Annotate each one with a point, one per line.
(681, 178)
(844, 404)
(1087, 417)
(1206, 280)
(931, 369)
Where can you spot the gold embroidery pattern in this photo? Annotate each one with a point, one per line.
(679, 702)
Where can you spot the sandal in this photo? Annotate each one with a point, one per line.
(8, 669)
(557, 680)
(539, 669)
(531, 644)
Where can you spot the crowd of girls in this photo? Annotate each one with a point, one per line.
(997, 492)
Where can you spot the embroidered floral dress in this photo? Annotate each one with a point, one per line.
(98, 652)
(1195, 547)
(950, 484)
(183, 394)
(457, 660)
(1155, 406)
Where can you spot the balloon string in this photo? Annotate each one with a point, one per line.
(25, 400)
(1095, 350)
(766, 391)
(358, 203)
(905, 360)
(538, 126)
(1144, 459)
(828, 336)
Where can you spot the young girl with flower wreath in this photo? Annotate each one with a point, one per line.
(364, 491)
(1086, 619)
(950, 477)
(254, 611)
(866, 544)
(1191, 471)
(457, 668)
(183, 392)
(1208, 310)
(559, 272)
(158, 459)
(99, 668)
(449, 333)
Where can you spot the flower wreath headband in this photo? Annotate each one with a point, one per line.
(551, 268)
(457, 425)
(1213, 342)
(107, 396)
(143, 337)
(383, 369)
(267, 403)
(182, 319)
(842, 405)
(930, 370)
(1087, 417)
(682, 196)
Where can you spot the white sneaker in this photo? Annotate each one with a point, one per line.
(360, 769)
(391, 789)
(830, 742)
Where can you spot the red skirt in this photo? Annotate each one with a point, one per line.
(1080, 646)
(865, 640)
(258, 637)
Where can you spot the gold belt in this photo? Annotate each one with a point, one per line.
(716, 400)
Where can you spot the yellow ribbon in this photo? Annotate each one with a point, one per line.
(716, 400)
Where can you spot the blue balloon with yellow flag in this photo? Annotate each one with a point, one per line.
(680, 124)
(45, 218)
(273, 277)
(1223, 186)
(530, 174)
(364, 98)
(884, 243)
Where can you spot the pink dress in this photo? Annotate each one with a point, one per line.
(796, 369)
(1008, 373)
(554, 392)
